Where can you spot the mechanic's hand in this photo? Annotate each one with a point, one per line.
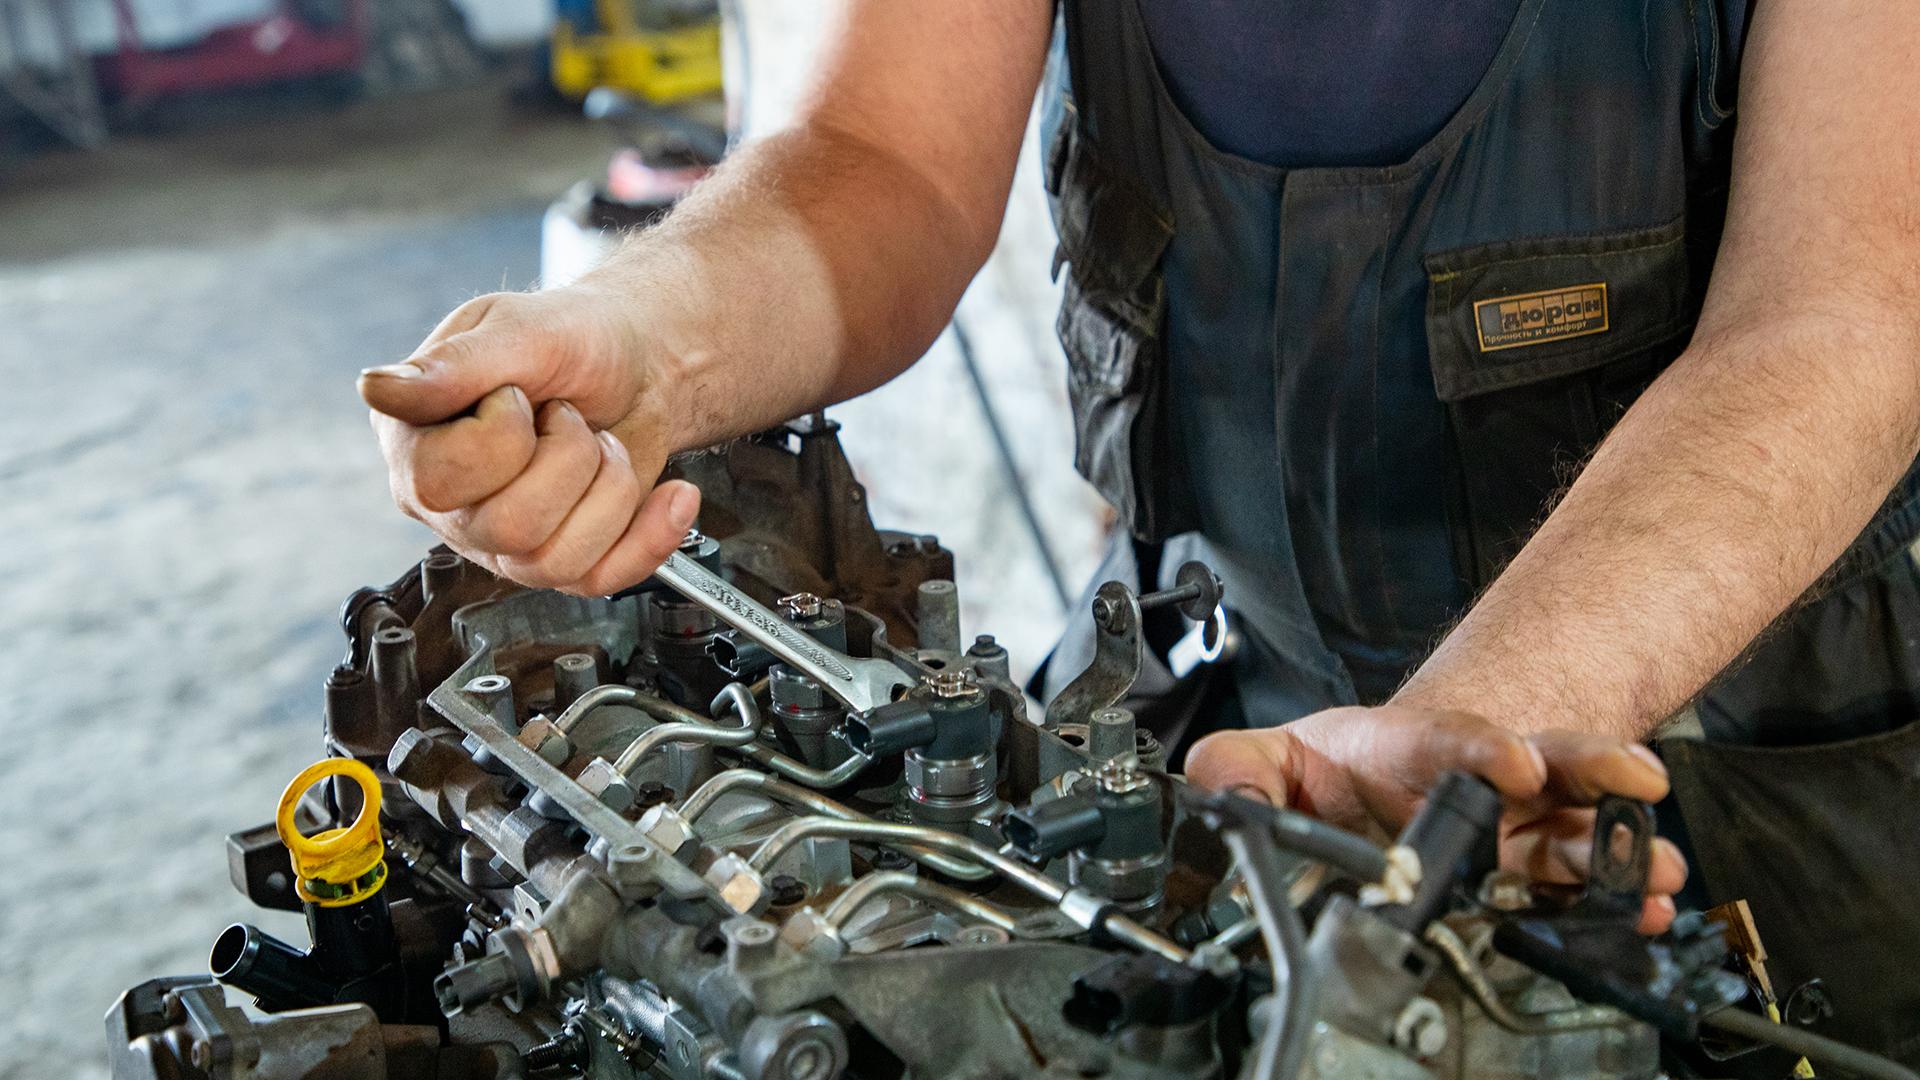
(1367, 770)
(528, 434)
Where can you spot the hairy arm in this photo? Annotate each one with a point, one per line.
(529, 428)
(1747, 467)
(821, 261)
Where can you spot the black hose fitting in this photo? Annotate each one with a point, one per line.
(1456, 835)
(278, 975)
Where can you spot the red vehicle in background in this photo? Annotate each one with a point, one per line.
(301, 39)
(388, 44)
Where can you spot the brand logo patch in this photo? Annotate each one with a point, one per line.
(1508, 322)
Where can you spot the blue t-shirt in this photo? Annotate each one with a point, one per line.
(1308, 83)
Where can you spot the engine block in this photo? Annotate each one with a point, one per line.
(623, 837)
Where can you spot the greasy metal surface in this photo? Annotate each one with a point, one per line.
(480, 626)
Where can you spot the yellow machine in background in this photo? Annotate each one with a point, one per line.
(662, 52)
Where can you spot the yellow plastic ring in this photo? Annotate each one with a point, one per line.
(341, 866)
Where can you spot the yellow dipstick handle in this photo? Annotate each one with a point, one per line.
(335, 867)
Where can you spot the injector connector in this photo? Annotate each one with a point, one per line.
(950, 738)
(906, 724)
(1053, 828)
(1109, 827)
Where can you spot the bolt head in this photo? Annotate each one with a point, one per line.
(1507, 890)
(1120, 776)
(787, 890)
(953, 683)
(982, 935)
(1105, 612)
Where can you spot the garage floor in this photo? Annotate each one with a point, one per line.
(190, 490)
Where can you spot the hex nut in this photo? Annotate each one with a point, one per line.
(540, 736)
(807, 932)
(740, 886)
(671, 833)
(604, 782)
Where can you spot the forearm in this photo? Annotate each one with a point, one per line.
(1738, 478)
(812, 267)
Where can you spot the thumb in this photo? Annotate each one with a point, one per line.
(447, 375)
(1262, 764)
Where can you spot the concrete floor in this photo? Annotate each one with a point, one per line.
(190, 490)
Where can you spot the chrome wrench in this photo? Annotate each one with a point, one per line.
(860, 684)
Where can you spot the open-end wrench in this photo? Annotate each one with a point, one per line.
(861, 684)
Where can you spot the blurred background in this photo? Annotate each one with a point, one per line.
(213, 213)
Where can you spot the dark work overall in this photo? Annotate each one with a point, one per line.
(1354, 391)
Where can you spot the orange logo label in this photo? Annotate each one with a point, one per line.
(1508, 322)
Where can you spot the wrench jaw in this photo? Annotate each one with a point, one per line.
(860, 684)
(876, 684)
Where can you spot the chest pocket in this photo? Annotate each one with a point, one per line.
(1112, 316)
(1537, 347)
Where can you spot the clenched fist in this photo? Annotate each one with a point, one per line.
(1368, 769)
(528, 431)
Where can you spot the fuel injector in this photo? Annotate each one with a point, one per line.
(804, 712)
(1109, 827)
(949, 735)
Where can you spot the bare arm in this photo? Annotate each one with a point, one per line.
(816, 264)
(1731, 484)
(1746, 468)
(823, 260)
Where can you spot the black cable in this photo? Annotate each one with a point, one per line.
(1817, 1048)
(1010, 467)
(1351, 854)
(1355, 856)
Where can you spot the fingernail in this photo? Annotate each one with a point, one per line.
(1539, 763)
(686, 502)
(520, 396)
(615, 448)
(396, 371)
(1648, 758)
(568, 406)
